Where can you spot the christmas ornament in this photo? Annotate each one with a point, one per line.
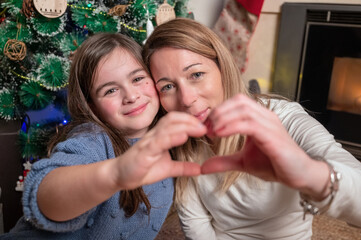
(28, 8)
(15, 50)
(165, 13)
(118, 10)
(150, 27)
(51, 8)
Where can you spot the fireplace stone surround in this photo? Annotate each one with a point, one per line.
(314, 41)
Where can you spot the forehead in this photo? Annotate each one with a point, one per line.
(176, 58)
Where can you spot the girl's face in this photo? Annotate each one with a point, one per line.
(123, 94)
(186, 81)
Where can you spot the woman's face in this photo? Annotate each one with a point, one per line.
(123, 94)
(186, 81)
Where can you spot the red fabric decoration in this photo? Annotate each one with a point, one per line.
(235, 27)
(252, 6)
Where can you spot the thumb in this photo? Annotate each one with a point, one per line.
(222, 164)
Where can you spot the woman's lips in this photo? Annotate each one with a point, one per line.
(136, 111)
(202, 116)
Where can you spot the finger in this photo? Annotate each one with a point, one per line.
(185, 169)
(176, 135)
(239, 108)
(222, 164)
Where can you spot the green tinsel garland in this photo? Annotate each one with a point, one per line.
(53, 72)
(14, 6)
(34, 142)
(70, 42)
(35, 97)
(7, 105)
(82, 14)
(102, 23)
(48, 26)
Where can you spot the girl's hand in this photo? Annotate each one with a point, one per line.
(269, 151)
(149, 161)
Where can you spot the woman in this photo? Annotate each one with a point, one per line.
(101, 181)
(283, 157)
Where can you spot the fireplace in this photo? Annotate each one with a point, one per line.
(318, 64)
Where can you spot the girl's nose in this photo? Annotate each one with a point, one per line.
(130, 96)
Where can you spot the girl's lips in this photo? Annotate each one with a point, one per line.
(202, 116)
(136, 111)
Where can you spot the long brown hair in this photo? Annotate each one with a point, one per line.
(81, 79)
(182, 33)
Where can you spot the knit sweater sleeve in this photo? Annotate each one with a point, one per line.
(316, 141)
(83, 148)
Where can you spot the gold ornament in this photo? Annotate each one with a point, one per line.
(15, 50)
(165, 13)
(118, 10)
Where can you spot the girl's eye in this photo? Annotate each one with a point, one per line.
(110, 91)
(166, 88)
(197, 75)
(138, 79)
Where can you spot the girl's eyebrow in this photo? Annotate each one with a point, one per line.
(135, 72)
(132, 73)
(103, 86)
(184, 70)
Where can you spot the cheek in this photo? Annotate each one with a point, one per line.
(109, 107)
(168, 103)
(149, 89)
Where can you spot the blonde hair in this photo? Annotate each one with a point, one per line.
(182, 33)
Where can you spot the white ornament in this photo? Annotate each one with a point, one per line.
(51, 8)
(150, 28)
(27, 165)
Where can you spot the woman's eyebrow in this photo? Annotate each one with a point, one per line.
(184, 70)
(192, 65)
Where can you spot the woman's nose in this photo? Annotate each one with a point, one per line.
(187, 96)
(130, 95)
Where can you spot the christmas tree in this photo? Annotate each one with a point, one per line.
(38, 39)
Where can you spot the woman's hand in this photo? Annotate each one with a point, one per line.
(149, 161)
(269, 151)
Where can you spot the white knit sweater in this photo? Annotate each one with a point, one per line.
(270, 210)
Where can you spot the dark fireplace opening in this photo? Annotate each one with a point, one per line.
(318, 64)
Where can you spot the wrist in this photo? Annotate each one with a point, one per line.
(331, 190)
(317, 186)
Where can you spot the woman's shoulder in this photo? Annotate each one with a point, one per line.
(281, 105)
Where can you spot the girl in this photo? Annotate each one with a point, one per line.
(90, 186)
(280, 156)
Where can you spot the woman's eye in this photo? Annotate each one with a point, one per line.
(197, 75)
(166, 88)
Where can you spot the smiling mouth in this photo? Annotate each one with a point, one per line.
(202, 115)
(136, 111)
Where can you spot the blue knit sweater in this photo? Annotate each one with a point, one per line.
(106, 221)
